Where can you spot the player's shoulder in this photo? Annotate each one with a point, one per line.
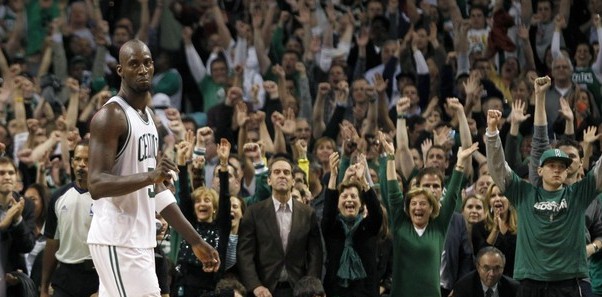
(110, 117)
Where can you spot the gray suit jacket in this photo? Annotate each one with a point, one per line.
(261, 255)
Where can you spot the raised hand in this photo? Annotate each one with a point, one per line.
(493, 119)
(183, 151)
(363, 38)
(386, 143)
(471, 85)
(72, 85)
(187, 35)
(300, 68)
(380, 84)
(589, 134)
(323, 89)
(425, 146)
(518, 115)
(202, 136)
(559, 22)
(455, 105)
(252, 151)
(350, 138)
(464, 154)
(279, 71)
(301, 148)
(403, 105)
(334, 161)
(271, 87)
(441, 135)
(198, 162)
(565, 110)
(290, 122)
(241, 113)
(350, 174)
(542, 84)
(223, 151)
(177, 127)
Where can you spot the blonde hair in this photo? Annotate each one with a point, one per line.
(202, 192)
(417, 191)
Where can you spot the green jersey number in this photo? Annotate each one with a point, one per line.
(151, 191)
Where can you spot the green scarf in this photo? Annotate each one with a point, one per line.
(350, 265)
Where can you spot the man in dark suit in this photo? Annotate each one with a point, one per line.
(487, 280)
(279, 239)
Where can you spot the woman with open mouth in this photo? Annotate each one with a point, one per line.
(419, 225)
(350, 234)
(209, 213)
(499, 227)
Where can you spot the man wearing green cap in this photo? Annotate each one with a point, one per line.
(550, 249)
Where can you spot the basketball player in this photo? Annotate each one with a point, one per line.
(127, 181)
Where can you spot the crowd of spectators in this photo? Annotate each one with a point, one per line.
(383, 108)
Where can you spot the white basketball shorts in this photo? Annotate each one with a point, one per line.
(125, 272)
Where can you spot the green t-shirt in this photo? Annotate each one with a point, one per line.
(213, 93)
(417, 259)
(551, 226)
(586, 78)
(169, 83)
(38, 22)
(595, 268)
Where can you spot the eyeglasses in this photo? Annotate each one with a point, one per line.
(494, 269)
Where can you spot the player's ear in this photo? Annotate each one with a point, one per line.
(119, 70)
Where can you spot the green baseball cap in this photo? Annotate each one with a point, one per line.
(555, 154)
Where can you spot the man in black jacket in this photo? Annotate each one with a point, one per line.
(16, 227)
(487, 280)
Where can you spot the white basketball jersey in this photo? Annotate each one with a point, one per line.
(128, 220)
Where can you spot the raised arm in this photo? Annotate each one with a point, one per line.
(498, 168)
(465, 135)
(589, 138)
(517, 116)
(260, 47)
(523, 34)
(73, 107)
(224, 34)
(195, 64)
(597, 65)
(318, 115)
(404, 154)
(559, 25)
(540, 141)
(142, 33)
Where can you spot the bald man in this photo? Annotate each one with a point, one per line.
(128, 184)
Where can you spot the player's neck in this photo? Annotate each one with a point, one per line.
(135, 99)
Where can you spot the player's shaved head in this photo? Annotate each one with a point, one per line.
(131, 47)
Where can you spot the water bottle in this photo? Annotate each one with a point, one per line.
(180, 291)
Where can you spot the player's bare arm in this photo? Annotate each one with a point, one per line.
(107, 129)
